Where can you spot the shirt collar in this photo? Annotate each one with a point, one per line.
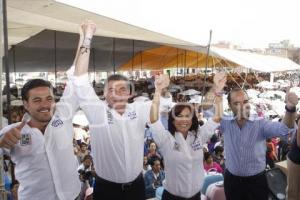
(251, 118)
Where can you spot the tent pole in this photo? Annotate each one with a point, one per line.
(4, 39)
(55, 64)
(141, 64)
(5, 60)
(177, 61)
(94, 66)
(198, 63)
(206, 66)
(132, 59)
(114, 49)
(184, 64)
(14, 61)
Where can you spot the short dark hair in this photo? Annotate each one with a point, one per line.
(176, 110)
(31, 84)
(207, 155)
(218, 149)
(83, 143)
(117, 77)
(236, 89)
(152, 160)
(87, 157)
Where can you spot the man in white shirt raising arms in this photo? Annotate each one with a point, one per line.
(41, 146)
(116, 128)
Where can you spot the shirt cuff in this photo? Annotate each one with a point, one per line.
(212, 122)
(156, 125)
(77, 80)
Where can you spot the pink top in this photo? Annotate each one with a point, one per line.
(214, 165)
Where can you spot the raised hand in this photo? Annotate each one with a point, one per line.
(161, 81)
(12, 137)
(220, 81)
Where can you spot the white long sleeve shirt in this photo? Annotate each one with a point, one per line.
(117, 141)
(183, 158)
(46, 166)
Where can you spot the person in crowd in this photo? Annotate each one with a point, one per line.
(210, 165)
(146, 166)
(154, 177)
(116, 128)
(218, 156)
(86, 174)
(17, 113)
(245, 146)
(152, 151)
(80, 134)
(271, 155)
(41, 145)
(182, 146)
(293, 168)
(83, 151)
(211, 145)
(37, 155)
(85, 170)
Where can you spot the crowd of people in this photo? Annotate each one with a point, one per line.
(129, 150)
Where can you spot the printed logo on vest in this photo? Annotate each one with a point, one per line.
(57, 123)
(132, 115)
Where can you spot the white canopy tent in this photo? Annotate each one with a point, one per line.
(257, 62)
(29, 17)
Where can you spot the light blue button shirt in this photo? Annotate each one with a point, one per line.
(245, 148)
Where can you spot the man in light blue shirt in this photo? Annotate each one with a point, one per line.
(245, 147)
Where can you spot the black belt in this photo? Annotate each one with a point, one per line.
(196, 196)
(123, 186)
(247, 178)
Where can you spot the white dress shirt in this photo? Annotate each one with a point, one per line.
(183, 158)
(46, 166)
(117, 141)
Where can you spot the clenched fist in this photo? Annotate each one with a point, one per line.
(291, 100)
(12, 137)
(220, 81)
(88, 28)
(162, 81)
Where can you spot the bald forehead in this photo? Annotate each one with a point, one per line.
(117, 84)
(238, 95)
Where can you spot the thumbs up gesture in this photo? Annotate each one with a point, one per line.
(12, 137)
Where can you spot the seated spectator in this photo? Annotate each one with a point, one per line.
(152, 151)
(210, 165)
(83, 151)
(86, 169)
(146, 166)
(211, 144)
(218, 156)
(154, 177)
(86, 174)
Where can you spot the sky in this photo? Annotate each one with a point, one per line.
(248, 23)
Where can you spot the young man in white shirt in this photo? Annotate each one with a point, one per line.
(41, 146)
(116, 128)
